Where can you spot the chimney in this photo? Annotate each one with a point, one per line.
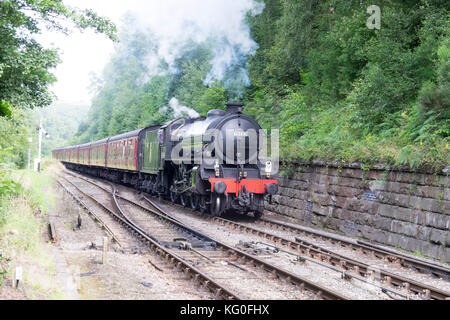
(234, 107)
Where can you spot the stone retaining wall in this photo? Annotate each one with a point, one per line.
(398, 208)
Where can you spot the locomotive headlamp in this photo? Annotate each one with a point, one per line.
(217, 168)
(268, 168)
(220, 187)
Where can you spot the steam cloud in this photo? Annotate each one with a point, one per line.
(179, 110)
(175, 24)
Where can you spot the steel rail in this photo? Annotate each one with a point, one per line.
(113, 192)
(302, 283)
(160, 215)
(90, 212)
(364, 270)
(345, 263)
(389, 278)
(311, 250)
(196, 275)
(318, 253)
(366, 248)
(320, 291)
(344, 273)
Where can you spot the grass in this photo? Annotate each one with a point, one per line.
(420, 255)
(34, 184)
(21, 235)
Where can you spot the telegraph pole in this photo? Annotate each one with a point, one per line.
(41, 131)
(30, 140)
(40, 145)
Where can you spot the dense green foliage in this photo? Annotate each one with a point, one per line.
(341, 91)
(336, 89)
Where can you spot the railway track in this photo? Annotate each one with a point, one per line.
(399, 285)
(308, 249)
(365, 248)
(87, 208)
(219, 290)
(236, 260)
(351, 268)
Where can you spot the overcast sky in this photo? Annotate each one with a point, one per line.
(82, 53)
(172, 22)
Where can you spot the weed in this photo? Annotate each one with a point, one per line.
(21, 233)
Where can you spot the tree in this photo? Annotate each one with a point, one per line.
(24, 64)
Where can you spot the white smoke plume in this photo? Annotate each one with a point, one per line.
(179, 110)
(176, 23)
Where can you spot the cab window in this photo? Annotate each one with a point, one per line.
(177, 125)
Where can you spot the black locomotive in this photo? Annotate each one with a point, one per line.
(212, 164)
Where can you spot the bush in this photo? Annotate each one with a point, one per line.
(8, 187)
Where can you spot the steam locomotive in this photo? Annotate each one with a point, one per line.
(213, 164)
